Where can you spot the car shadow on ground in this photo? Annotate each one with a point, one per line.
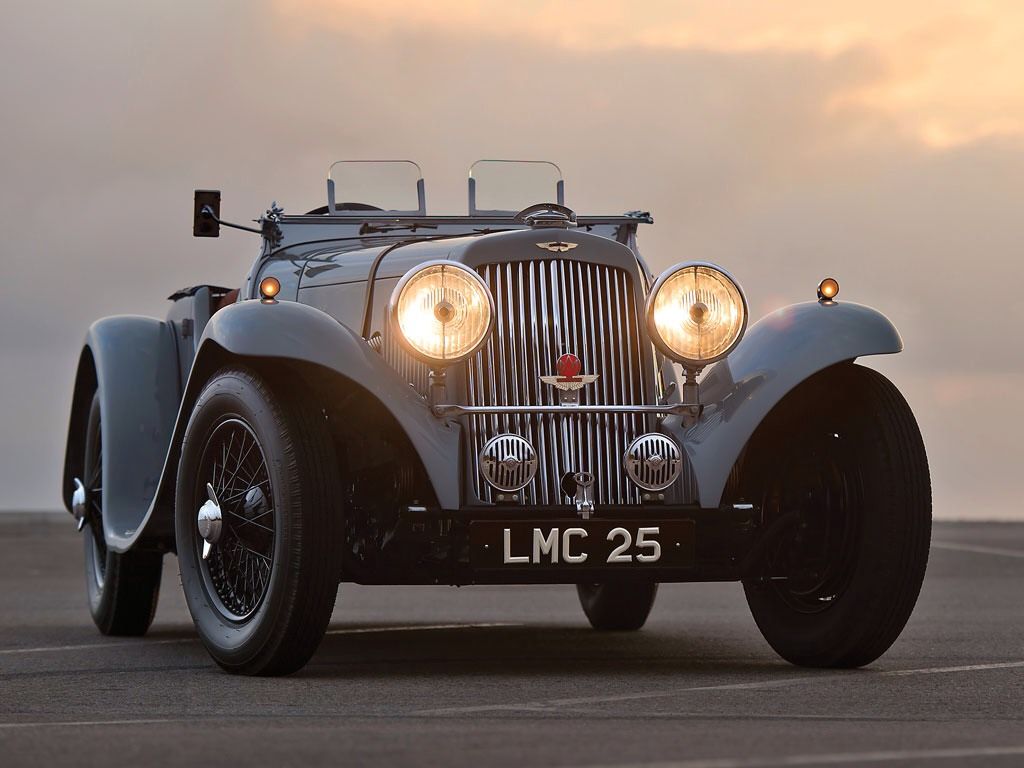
(528, 651)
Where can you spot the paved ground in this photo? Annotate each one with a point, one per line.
(512, 676)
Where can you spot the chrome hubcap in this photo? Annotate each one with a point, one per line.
(78, 503)
(210, 521)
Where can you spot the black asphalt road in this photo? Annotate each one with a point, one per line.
(512, 676)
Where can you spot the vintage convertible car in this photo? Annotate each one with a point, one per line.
(397, 398)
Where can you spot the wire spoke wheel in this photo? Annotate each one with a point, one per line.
(258, 494)
(240, 565)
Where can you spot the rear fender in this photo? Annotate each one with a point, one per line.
(290, 332)
(776, 354)
(133, 362)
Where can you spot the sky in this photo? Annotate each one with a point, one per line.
(878, 142)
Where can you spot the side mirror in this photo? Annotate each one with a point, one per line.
(206, 213)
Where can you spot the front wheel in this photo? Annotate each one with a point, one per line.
(257, 522)
(840, 471)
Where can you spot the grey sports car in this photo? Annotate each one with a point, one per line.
(508, 396)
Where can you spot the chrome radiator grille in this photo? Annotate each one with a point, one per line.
(545, 309)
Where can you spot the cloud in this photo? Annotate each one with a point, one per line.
(785, 149)
(952, 69)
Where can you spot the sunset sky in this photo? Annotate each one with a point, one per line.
(879, 142)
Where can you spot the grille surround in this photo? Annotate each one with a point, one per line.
(545, 308)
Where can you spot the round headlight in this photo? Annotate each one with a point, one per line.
(443, 312)
(696, 314)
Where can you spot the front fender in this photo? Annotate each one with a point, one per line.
(135, 361)
(777, 353)
(291, 331)
(296, 331)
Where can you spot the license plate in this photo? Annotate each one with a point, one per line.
(583, 544)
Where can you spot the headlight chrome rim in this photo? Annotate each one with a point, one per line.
(659, 341)
(394, 309)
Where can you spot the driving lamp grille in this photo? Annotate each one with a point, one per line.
(653, 461)
(508, 462)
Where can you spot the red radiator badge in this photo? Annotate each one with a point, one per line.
(569, 378)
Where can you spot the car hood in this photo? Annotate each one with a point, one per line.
(332, 278)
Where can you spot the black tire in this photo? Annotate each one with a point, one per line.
(617, 607)
(842, 459)
(123, 589)
(262, 601)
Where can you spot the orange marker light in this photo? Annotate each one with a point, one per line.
(828, 289)
(269, 288)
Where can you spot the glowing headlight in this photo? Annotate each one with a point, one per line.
(696, 314)
(443, 312)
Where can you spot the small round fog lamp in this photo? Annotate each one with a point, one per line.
(828, 289)
(269, 288)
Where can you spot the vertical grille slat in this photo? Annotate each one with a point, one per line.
(547, 422)
(545, 308)
(591, 349)
(535, 330)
